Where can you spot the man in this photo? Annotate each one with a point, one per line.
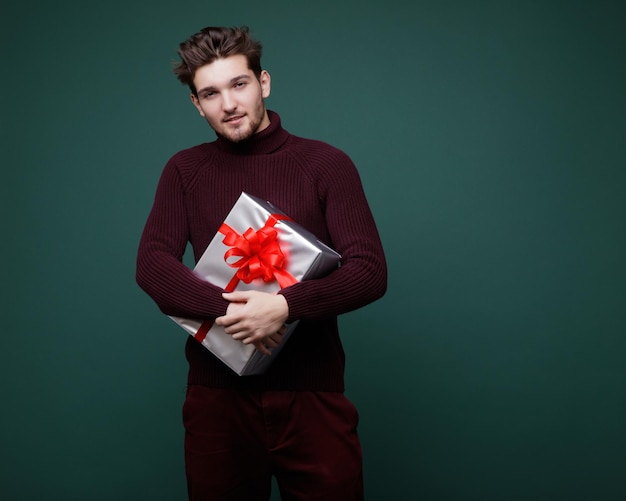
(293, 422)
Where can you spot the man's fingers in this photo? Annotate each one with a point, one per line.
(273, 341)
(260, 346)
(236, 296)
(225, 320)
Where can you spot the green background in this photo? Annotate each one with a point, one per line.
(491, 141)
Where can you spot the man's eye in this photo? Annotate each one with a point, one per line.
(207, 95)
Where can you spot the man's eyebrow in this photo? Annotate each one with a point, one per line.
(231, 81)
(244, 76)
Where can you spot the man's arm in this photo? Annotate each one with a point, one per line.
(362, 276)
(160, 271)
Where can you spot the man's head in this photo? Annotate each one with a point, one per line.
(222, 67)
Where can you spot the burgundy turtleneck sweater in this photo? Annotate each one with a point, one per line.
(315, 184)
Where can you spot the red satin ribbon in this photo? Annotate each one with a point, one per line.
(259, 257)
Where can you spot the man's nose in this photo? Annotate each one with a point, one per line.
(228, 102)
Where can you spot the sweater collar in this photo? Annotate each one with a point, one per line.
(262, 143)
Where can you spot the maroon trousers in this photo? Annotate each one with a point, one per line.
(236, 441)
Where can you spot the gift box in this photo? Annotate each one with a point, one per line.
(258, 247)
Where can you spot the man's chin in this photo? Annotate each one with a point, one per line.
(235, 137)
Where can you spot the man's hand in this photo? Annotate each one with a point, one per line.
(254, 317)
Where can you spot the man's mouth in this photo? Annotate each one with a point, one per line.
(234, 119)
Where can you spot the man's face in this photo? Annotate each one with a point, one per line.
(231, 98)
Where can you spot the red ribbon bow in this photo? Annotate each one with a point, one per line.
(259, 253)
(260, 257)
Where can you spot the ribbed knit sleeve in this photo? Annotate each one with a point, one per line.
(362, 276)
(160, 271)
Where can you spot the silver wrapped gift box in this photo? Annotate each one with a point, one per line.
(258, 247)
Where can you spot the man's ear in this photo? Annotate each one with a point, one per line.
(266, 84)
(196, 103)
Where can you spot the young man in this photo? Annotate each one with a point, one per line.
(293, 422)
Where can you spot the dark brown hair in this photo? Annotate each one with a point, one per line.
(213, 43)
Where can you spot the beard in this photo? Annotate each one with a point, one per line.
(244, 131)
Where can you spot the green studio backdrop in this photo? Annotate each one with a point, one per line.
(490, 138)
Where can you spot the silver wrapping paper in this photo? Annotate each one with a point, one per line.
(306, 257)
